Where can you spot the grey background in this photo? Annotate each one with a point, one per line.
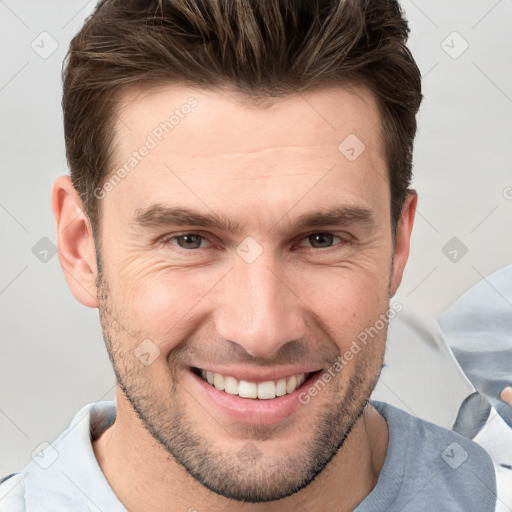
(52, 358)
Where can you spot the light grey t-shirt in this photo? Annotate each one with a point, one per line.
(427, 468)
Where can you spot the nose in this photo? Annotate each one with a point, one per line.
(258, 308)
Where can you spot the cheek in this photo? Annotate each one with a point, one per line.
(167, 306)
(347, 300)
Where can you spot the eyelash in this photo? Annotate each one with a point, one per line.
(166, 240)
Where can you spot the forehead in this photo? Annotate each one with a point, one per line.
(213, 148)
(224, 121)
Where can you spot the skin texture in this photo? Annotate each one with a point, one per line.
(303, 300)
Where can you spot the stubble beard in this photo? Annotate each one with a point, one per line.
(162, 410)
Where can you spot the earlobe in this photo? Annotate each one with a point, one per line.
(77, 254)
(403, 240)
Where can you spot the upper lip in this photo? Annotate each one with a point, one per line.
(259, 375)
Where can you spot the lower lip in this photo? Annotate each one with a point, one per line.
(252, 410)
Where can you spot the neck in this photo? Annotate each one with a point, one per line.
(145, 477)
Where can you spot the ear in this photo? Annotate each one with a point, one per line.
(403, 240)
(75, 242)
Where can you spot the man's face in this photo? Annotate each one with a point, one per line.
(260, 295)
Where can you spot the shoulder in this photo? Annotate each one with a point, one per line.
(57, 478)
(12, 493)
(435, 466)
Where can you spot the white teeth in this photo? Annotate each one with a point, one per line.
(218, 381)
(281, 387)
(247, 389)
(291, 384)
(266, 390)
(263, 390)
(230, 385)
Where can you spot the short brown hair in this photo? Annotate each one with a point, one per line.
(262, 49)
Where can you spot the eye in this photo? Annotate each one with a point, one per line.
(187, 241)
(193, 241)
(322, 240)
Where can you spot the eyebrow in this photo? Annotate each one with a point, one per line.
(159, 215)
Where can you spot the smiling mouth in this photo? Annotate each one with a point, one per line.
(266, 390)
